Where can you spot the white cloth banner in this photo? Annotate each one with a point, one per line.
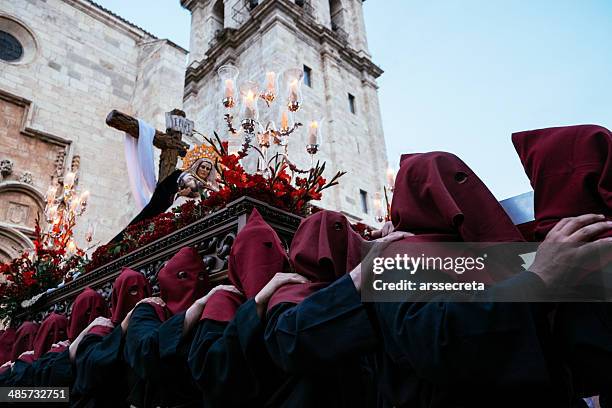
(140, 163)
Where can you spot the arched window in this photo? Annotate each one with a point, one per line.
(336, 13)
(218, 16)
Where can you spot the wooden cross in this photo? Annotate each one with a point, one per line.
(170, 142)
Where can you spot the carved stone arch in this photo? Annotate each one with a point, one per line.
(20, 205)
(12, 243)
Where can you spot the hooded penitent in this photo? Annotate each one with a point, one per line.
(256, 256)
(85, 308)
(439, 198)
(570, 169)
(6, 344)
(324, 248)
(183, 280)
(437, 193)
(24, 339)
(571, 173)
(129, 288)
(52, 330)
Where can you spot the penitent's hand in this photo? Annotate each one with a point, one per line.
(98, 321)
(394, 236)
(8, 364)
(192, 316)
(280, 279)
(568, 244)
(202, 301)
(377, 248)
(152, 300)
(386, 229)
(63, 343)
(26, 353)
(126, 321)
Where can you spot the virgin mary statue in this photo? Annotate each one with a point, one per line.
(198, 179)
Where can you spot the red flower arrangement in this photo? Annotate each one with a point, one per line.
(34, 272)
(274, 188)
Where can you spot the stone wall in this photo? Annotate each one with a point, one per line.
(279, 33)
(87, 62)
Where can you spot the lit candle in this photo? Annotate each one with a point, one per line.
(390, 177)
(90, 231)
(233, 146)
(51, 212)
(229, 88)
(378, 207)
(70, 248)
(293, 91)
(74, 204)
(84, 197)
(271, 82)
(69, 180)
(249, 112)
(51, 191)
(313, 132)
(284, 121)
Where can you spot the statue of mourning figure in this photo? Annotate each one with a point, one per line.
(198, 179)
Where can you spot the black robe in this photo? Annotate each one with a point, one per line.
(21, 375)
(52, 369)
(100, 368)
(324, 343)
(230, 363)
(472, 354)
(4, 375)
(162, 198)
(584, 331)
(157, 355)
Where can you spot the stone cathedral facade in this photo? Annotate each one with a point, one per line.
(325, 38)
(65, 64)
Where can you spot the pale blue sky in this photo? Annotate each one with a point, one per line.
(462, 75)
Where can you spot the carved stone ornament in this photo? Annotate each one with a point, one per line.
(26, 177)
(6, 168)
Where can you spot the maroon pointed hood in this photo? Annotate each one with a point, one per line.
(53, 329)
(128, 289)
(256, 256)
(183, 280)
(24, 339)
(85, 308)
(6, 344)
(437, 193)
(324, 248)
(570, 170)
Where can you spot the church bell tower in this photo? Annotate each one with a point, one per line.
(326, 39)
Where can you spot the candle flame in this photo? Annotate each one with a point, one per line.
(284, 120)
(229, 88)
(378, 207)
(250, 97)
(71, 247)
(69, 179)
(270, 80)
(390, 177)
